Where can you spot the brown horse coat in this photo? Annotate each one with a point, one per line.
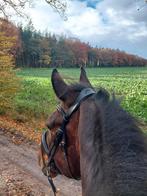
(105, 145)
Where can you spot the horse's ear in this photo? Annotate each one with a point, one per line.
(103, 95)
(83, 78)
(59, 86)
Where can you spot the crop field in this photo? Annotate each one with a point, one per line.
(37, 99)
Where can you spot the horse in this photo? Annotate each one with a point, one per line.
(104, 144)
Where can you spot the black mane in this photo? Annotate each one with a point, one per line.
(123, 149)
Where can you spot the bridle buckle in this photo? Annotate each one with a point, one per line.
(46, 171)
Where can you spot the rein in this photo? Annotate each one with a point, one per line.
(60, 138)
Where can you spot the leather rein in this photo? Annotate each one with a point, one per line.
(61, 139)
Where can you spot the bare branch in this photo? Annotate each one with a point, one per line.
(17, 6)
(59, 6)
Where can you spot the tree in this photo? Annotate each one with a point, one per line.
(9, 44)
(46, 50)
(11, 31)
(8, 81)
(80, 51)
(35, 50)
(44, 55)
(18, 6)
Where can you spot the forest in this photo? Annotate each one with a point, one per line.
(43, 49)
(30, 85)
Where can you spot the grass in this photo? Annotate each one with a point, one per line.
(37, 98)
(92, 72)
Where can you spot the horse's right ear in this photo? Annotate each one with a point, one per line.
(83, 78)
(59, 86)
(103, 95)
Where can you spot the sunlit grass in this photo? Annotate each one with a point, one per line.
(38, 99)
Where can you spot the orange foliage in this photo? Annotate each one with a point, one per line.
(30, 131)
(10, 30)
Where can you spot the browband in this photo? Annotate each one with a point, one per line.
(85, 93)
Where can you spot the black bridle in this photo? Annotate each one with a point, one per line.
(60, 137)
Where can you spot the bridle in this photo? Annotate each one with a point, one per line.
(60, 137)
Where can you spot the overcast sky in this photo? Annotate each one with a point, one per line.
(102, 23)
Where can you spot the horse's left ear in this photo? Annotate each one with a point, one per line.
(59, 86)
(83, 78)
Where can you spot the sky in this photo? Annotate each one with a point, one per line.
(102, 23)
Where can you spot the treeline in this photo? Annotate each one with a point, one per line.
(36, 49)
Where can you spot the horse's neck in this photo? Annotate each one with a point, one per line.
(111, 155)
(90, 138)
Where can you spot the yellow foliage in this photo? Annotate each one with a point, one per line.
(9, 83)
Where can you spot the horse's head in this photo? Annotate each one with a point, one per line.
(67, 94)
(97, 141)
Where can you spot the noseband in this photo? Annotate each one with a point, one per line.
(60, 138)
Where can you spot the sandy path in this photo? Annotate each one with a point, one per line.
(20, 175)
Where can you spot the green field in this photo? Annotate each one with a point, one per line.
(37, 99)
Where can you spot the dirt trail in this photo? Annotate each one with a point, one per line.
(20, 174)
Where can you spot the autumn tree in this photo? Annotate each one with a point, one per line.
(11, 30)
(9, 83)
(80, 51)
(46, 50)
